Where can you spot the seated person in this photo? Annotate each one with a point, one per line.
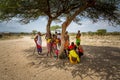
(72, 46)
(73, 57)
(79, 50)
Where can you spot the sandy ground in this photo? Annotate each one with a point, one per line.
(18, 61)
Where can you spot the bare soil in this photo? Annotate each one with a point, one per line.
(19, 60)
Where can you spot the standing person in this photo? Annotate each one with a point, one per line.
(66, 45)
(54, 47)
(59, 41)
(49, 43)
(78, 35)
(38, 42)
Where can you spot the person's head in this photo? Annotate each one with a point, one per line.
(39, 33)
(78, 31)
(55, 32)
(66, 32)
(72, 43)
(59, 33)
(53, 35)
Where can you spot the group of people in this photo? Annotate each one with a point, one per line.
(72, 51)
(53, 43)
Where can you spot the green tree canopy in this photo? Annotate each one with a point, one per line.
(101, 31)
(53, 28)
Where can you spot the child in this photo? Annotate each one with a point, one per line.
(54, 45)
(72, 46)
(58, 41)
(79, 50)
(54, 48)
(38, 42)
(49, 43)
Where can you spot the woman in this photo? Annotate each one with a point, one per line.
(78, 35)
(38, 42)
(49, 43)
(66, 45)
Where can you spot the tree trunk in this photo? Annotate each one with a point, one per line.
(64, 27)
(67, 22)
(48, 27)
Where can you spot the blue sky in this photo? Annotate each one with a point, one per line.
(40, 25)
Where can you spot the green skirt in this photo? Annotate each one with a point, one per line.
(77, 41)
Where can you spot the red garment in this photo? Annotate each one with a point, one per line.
(72, 47)
(38, 46)
(80, 49)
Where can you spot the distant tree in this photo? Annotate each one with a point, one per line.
(101, 31)
(90, 33)
(53, 28)
(22, 33)
(34, 32)
(113, 33)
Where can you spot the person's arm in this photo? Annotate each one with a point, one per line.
(81, 49)
(35, 39)
(43, 34)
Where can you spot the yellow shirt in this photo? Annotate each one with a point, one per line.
(48, 40)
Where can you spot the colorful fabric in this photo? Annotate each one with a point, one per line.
(39, 40)
(77, 41)
(48, 40)
(73, 54)
(56, 51)
(66, 45)
(49, 47)
(39, 43)
(39, 47)
(80, 50)
(72, 47)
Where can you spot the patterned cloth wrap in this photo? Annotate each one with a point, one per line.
(73, 57)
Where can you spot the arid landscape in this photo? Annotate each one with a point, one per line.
(101, 61)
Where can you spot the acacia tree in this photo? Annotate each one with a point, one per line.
(92, 9)
(26, 10)
(73, 10)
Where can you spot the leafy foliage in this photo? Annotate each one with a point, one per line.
(27, 10)
(101, 31)
(34, 32)
(53, 28)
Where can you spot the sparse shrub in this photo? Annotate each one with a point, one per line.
(101, 31)
(34, 32)
(1, 36)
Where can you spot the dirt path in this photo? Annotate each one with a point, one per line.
(17, 62)
(15, 65)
